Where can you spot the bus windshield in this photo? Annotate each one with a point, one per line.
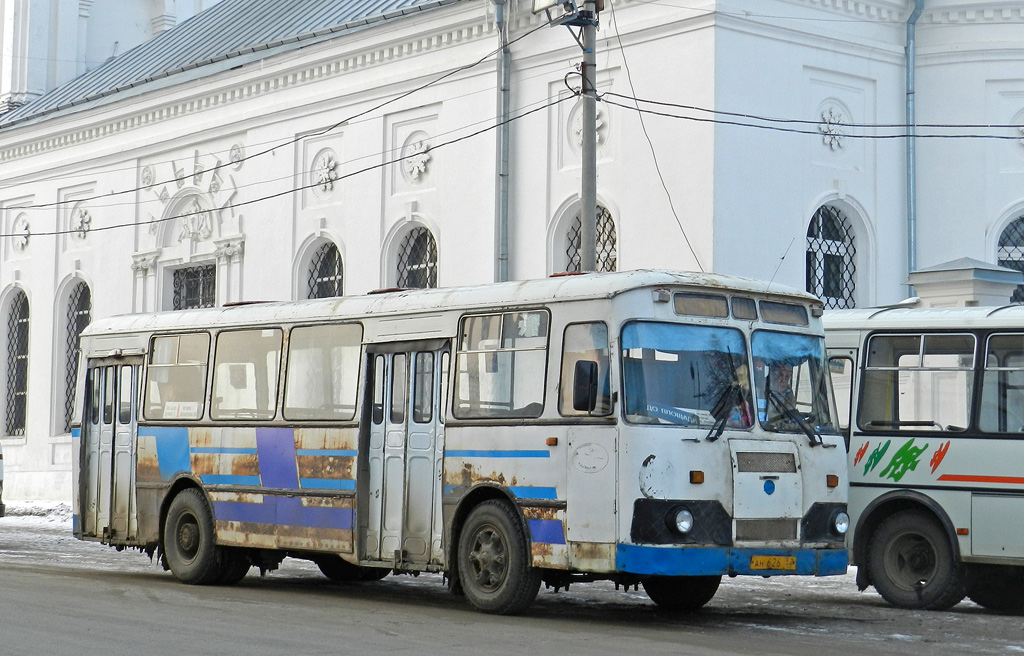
(791, 383)
(685, 375)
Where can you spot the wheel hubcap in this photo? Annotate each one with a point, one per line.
(910, 562)
(489, 559)
(188, 537)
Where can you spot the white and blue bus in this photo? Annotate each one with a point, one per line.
(647, 427)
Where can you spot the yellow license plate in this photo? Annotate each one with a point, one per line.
(787, 563)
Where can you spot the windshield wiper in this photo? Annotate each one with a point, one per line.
(726, 400)
(794, 416)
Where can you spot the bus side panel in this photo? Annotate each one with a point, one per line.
(256, 478)
(517, 459)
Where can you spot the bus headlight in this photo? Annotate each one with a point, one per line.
(681, 519)
(840, 523)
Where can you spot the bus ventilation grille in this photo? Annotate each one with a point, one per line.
(765, 529)
(766, 462)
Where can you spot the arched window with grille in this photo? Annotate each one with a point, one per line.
(1011, 252)
(77, 315)
(17, 365)
(417, 260)
(194, 287)
(607, 253)
(831, 261)
(326, 273)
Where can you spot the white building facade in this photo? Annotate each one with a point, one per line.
(365, 155)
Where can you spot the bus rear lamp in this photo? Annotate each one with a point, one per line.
(841, 523)
(696, 477)
(832, 480)
(681, 519)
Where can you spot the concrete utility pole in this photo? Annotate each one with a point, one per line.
(585, 19)
(588, 194)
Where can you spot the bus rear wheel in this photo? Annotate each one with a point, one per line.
(996, 587)
(189, 543)
(682, 594)
(912, 565)
(494, 560)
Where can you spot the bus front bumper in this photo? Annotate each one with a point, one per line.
(730, 561)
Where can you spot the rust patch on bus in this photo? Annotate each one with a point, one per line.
(200, 437)
(329, 467)
(245, 465)
(147, 468)
(469, 476)
(205, 463)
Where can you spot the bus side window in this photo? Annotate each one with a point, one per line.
(94, 395)
(1002, 386)
(124, 406)
(176, 376)
(500, 365)
(323, 372)
(585, 342)
(245, 374)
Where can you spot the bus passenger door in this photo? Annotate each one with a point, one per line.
(406, 446)
(108, 444)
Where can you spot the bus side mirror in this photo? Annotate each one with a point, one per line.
(584, 386)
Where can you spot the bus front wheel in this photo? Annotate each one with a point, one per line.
(682, 594)
(189, 539)
(494, 560)
(912, 565)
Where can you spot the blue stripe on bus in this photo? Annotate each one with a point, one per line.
(283, 511)
(276, 448)
(172, 450)
(497, 454)
(224, 450)
(227, 479)
(326, 452)
(328, 483)
(525, 492)
(547, 531)
(702, 561)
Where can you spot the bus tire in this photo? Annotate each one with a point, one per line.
(338, 569)
(234, 565)
(996, 587)
(189, 544)
(494, 560)
(912, 565)
(681, 594)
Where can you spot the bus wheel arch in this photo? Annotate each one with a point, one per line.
(912, 558)
(490, 537)
(881, 509)
(188, 535)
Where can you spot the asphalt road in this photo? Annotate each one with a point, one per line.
(61, 596)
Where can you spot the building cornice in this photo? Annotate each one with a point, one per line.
(320, 70)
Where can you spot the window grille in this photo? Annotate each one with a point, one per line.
(326, 273)
(831, 266)
(77, 317)
(1011, 253)
(417, 260)
(17, 365)
(606, 255)
(195, 287)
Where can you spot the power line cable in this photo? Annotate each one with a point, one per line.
(650, 144)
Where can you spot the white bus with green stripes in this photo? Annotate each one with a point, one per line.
(652, 428)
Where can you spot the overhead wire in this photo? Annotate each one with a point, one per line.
(292, 190)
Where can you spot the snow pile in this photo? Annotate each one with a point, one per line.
(54, 512)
